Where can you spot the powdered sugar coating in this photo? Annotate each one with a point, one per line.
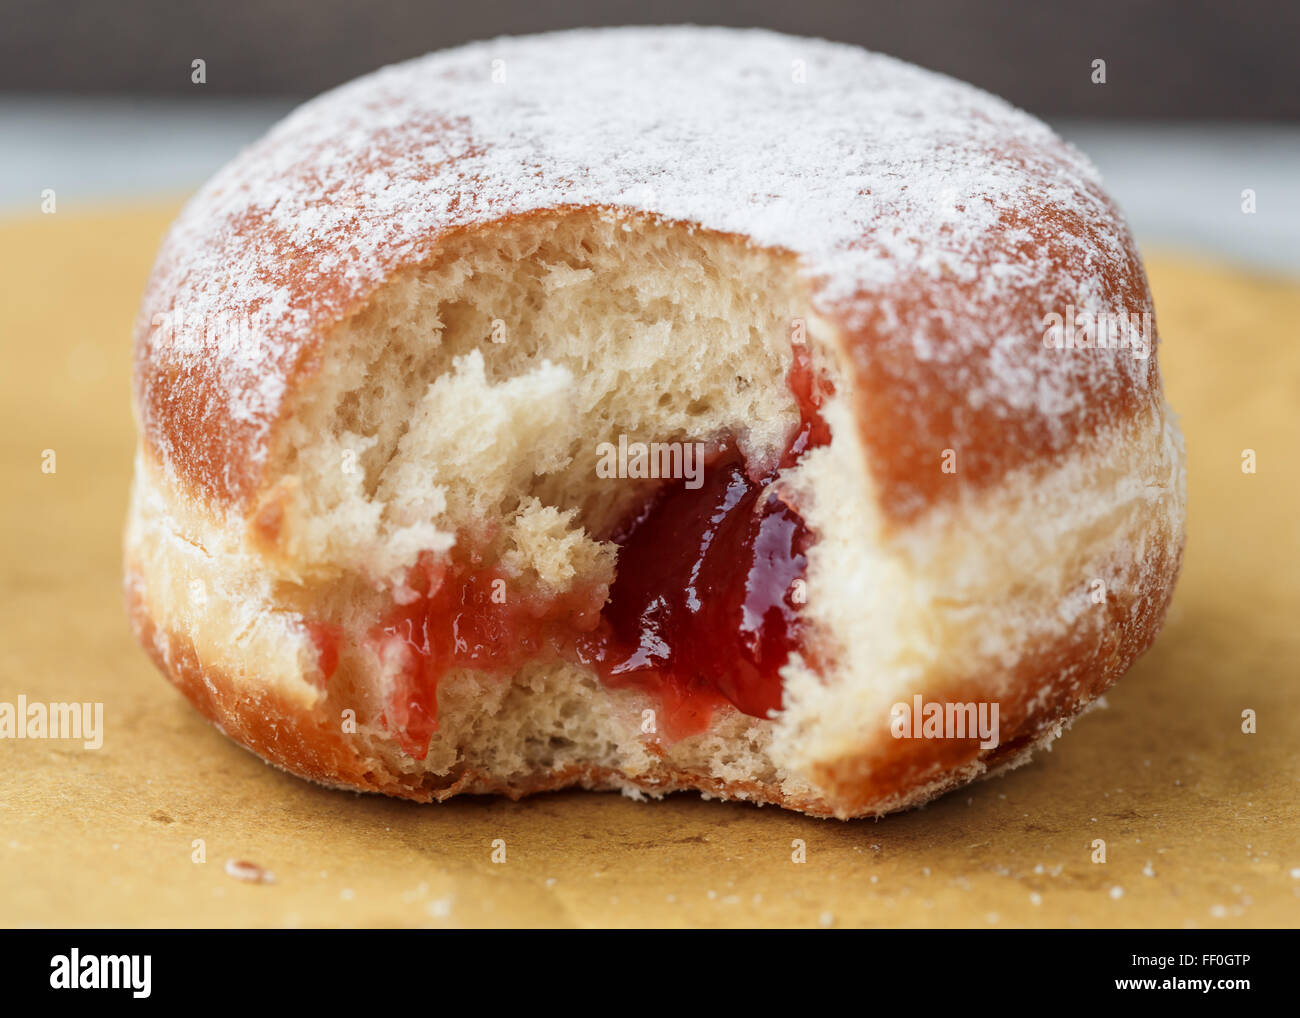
(936, 224)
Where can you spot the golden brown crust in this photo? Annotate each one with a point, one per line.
(911, 409)
(934, 282)
(1051, 684)
(939, 299)
(1086, 661)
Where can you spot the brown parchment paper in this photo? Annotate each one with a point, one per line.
(1199, 819)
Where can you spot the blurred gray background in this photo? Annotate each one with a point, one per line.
(1165, 58)
(1202, 99)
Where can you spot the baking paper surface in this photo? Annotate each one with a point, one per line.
(1199, 819)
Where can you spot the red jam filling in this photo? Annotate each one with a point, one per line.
(704, 597)
(467, 616)
(704, 608)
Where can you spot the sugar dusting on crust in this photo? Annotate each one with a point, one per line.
(935, 223)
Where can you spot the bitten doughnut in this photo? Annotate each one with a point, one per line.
(651, 409)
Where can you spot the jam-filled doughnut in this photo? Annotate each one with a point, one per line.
(651, 409)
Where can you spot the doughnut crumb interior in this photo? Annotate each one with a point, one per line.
(408, 372)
